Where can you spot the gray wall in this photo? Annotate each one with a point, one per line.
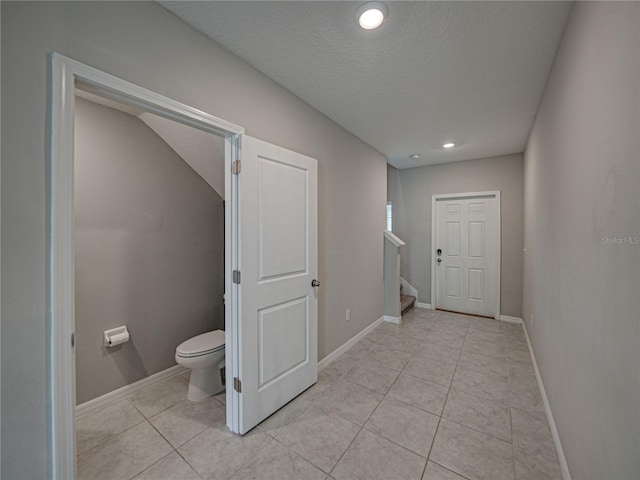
(145, 44)
(149, 250)
(582, 185)
(411, 190)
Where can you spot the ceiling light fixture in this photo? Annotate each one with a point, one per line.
(370, 15)
(448, 145)
(415, 156)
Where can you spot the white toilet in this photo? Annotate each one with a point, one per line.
(204, 355)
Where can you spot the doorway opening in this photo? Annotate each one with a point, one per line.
(67, 77)
(465, 259)
(270, 259)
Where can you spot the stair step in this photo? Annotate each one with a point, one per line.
(407, 302)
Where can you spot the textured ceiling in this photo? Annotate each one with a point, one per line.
(472, 72)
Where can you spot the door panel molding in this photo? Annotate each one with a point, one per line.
(473, 209)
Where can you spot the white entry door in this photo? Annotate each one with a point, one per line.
(467, 256)
(278, 258)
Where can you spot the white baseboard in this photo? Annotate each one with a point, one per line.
(127, 390)
(547, 408)
(424, 305)
(392, 319)
(408, 289)
(508, 319)
(348, 344)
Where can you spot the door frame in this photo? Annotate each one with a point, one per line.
(64, 74)
(498, 233)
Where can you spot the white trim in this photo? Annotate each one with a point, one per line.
(63, 75)
(408, 289)
(428, 306)
(434, 200)
(392, 319)
(547, 408)
(127, 390)
(348, 344)
(393, 238)
(509, 319)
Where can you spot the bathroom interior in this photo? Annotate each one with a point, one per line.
(149, 263)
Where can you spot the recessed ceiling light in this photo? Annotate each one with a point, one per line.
(415, 156)
(370, 15)
(448, 145)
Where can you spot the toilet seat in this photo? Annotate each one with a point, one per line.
(204, 344)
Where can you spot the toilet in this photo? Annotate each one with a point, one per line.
(204, 355)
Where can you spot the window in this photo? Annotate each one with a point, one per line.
(389, 217)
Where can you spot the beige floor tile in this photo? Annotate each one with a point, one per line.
(449, 317)
(373, 376)
(483, 364)
(493, 387)
(488, 324)
(419, 319)
(437, 472)
(187, 419)
(472, 454)
(376, 335)
(342, 365)
(350, 401)
(394, 359)
(526, 398)
(171, 467)
(283, 417)
(403, 343)
(123, 456)
(438, 351)
(424, 313)
(103, 423)
(221, 397)
(319, 436)
(449, 338)
(486, 416)
(536, 456)
(419, 393)
(520, 358)
(277, 462)
(513, 347)
(154, 399)
(361, 348)
(437, 371)
(488, 349)
(522, 376)
(325, 380)
(371, 457)
(408, 426)
(484, 335)
(414, 329)
(218, 458)
(458, 328)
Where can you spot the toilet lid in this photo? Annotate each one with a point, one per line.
(202, 344)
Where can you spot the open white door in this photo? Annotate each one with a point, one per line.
(278, 260)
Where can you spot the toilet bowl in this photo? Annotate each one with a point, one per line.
(204, 355)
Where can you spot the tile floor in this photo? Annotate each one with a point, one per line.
(441, 397)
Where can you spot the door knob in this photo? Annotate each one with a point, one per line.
(315, 283)
(439, 260)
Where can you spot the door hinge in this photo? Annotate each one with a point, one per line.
(236, 277)
(236, 167)
(237, 384)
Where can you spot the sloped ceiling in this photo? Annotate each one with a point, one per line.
(472, 72)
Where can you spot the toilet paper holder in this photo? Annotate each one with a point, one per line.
(116, 336)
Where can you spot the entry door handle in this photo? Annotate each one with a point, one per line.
(439, 260)
(315, 283)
